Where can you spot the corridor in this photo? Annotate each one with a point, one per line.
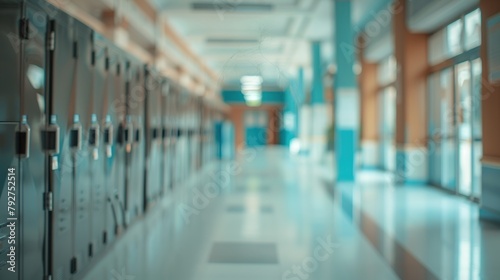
(269, 215)
(249, 139)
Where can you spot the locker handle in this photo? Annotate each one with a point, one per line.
(75, 138)
(50, 137)
(94, 137)
(137, 135)
(94, 133)
(154, 133)
(23, 139)
(108, 135)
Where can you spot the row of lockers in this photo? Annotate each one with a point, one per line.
(95, 137)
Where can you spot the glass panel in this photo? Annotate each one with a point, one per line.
(464, 126)
(437, 47)
(454, 38)
(434, 126)
(473, 29)
(441, 141)
(387, 71)
(449, 42)
(445, 131)
(477, 137)
(388, 127)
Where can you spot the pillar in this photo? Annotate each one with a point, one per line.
(369, 92)
(411, 85)
(346, 94)
(290, 113)
(319, 110)
(490, 102)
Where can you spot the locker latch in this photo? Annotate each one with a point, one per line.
(49, 201)
(137, 136)
(23, 138)
(75, 134)
(50, 137)
(108, 136)
(129, 131)
(94, 132)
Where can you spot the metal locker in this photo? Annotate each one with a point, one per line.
(177, 152)
(62, 144)
(22, 117)
(136, 152)
(183, 138)
(82, 53)
(156, 123)
(115, 107)
(96, 146)
(166, 136)
(152, 112)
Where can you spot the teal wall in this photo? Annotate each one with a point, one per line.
(268, 97)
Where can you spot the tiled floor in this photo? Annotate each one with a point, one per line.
(272, 216)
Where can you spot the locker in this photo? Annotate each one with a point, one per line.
(112, 120)
(68, 73)
(96, 147)
(22, 98)
(117, 136)
(135, 152)
(82, 53)
(152, 117)
(166, 115)
(178, 143)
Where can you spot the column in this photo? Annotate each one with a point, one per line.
(346, 94)
(490, 102)
(319, 110)
(289, 113)
(411, 85)
(368, 87)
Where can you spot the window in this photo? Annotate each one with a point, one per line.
(473, 30)
(387, 71)
(455, 38)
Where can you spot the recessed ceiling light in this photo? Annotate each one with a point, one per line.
(252, 80)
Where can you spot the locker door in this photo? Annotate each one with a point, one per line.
(153, 109)
(63, 154)
(22, 95)
(96, 147)
(107, 65)
(135, 155)
(83, 108)
(116, 108)
(166, 134)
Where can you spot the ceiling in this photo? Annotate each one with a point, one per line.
(256, 37)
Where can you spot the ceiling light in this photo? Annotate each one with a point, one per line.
(250, 87)
(253, 80)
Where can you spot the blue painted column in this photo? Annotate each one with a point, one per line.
(318, 110)
(299, 97)
(290, 113)
(317, 85)
(346, 94)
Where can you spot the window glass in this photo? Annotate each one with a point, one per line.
(387, 71)
(473, 29)
(437, 47)
(457, 37)
(454, 38)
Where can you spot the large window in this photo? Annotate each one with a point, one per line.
(387, 71)
(455, 138)
(459, 36)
